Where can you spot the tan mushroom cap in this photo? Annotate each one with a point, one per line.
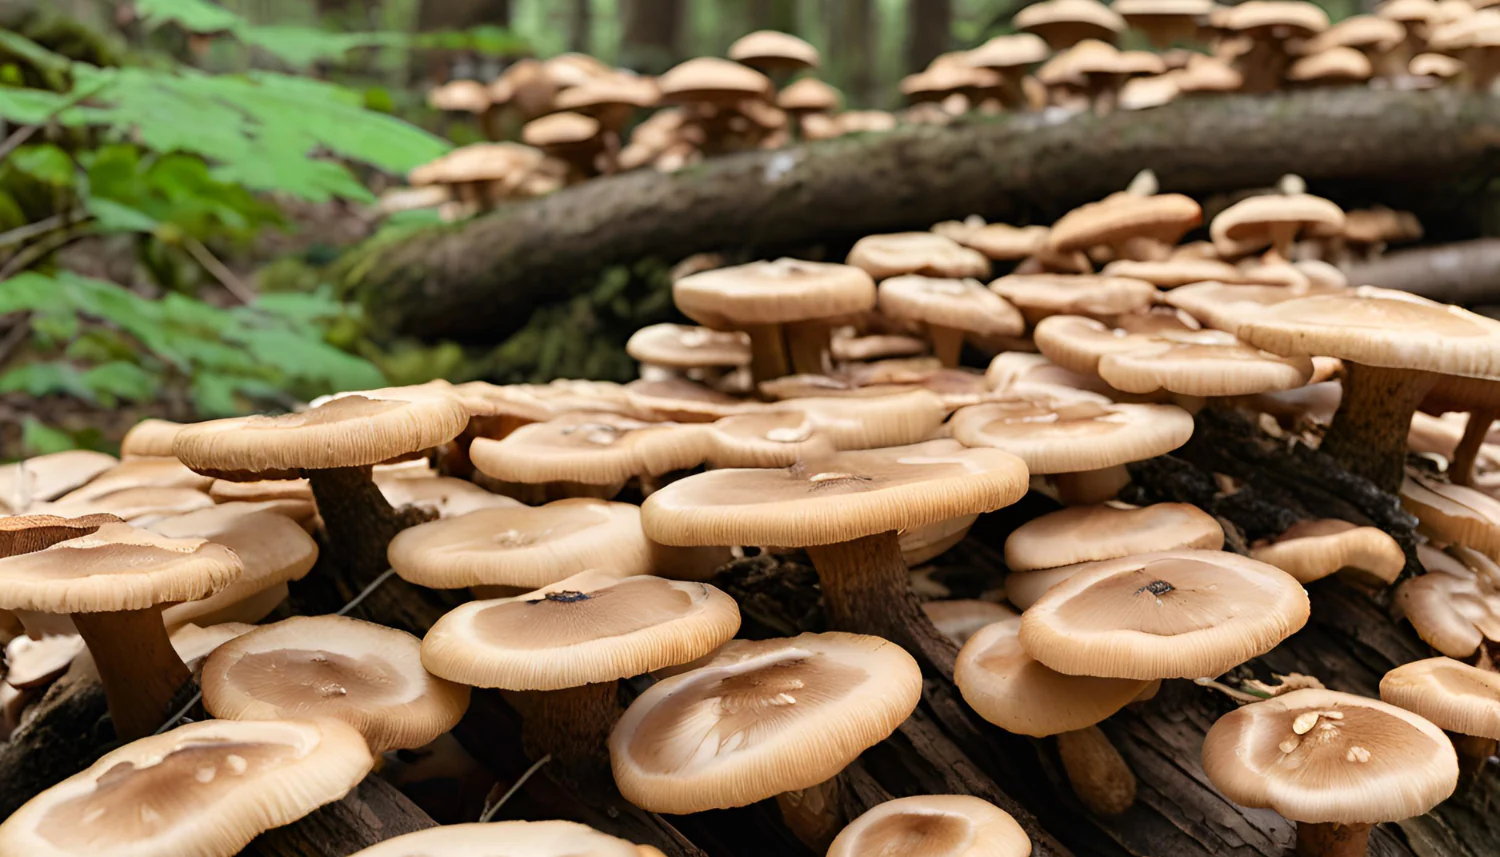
(1226, 306)
(1090, 533)
(844, 496)
(141, 505)
(1321, 756)
(711, 79)
(443, 496)
(1453, 695)
(1171, 273)
(506, 839)
(137, 473)
(1374, 32)
(1208, 74)
(1331, 64)
(47, 477)
(1163, 217)
(1312, 550)
(1451, 608)
(683, 400)
(925, 253)
(272, 550)
(682, 346)
(933, 826)
(809, 95)
(27, 533)
(877, 346)
(32, 663)
(784, 290)
(1203, 363)
(260, 491)
(999, 241)
(595, 96)
(1003, 53)
(940, 80)
(202, 789)
(561, 131)
(1154, 8)
(118, 567)
(480, 162)
(589, 448)
(1277, 19)
(460, 96)
(1436, 65)
(364, 674)
(1408, 11)
(150, 438)
(961, 618)
(194, 644)
(771, 49)
(761, 718)
(1018, 373)
(946, 303)
(592, 627)
(1174, 614)
(351, 431)
(1040, 295)
(1454, 513)
(1068, 435)
(1012, 690)
(536, 402)
(522, 545)
(1066, 22)
(1251, 222)
(780, 438)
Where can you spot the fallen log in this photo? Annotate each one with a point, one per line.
(374, 812)
(1465, 272)
(483, 278)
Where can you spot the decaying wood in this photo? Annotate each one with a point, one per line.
(374, 812)
(1466, 272)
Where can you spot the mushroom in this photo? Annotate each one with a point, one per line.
(1391, 347)
(773, 52)
(135, 473)
(1460, 699)
(136, 505)
(202, 789)
(804, 427)
(1312, 550)
(1065, 23)
(1009, 56)
(1208, 74)
(440, 496)
(809, 96)
(1105, 298)
(150, 438)
(1135, 226)
(683, 400)
(686, 349)
(27, 533)
(1164, 22)
(573, 641)
(761, 297)
(999, 241)
(1083, 534)
(933, 826)
(1225, 306)
(272, 550)
(1096, 71)
(760, 719)
(114, 582)
(962, 618)
(1331, 66)
(47, 477)
(1333, 762)
(1273, 219)
(507, 838)
(1480, 399)
(364, 674)
(1173, 272)
(573, 138)
(711, 90)
(847, 509)
(924, 253)
(1452, 608)
(610, 100)
(1270, 25)
(483, 173)
(1454, 514)
(1375, 37)
(950, 309)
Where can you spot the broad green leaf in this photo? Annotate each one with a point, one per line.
(45, 162)
(198, 16)
(29, 106)
(19, 46)
(38, 438)
(312, 361)
(46, 379)
(33, 292)
(119, 380)
(118, 217)
(303, 46)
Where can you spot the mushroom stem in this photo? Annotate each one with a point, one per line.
(358, 520)
(573, 727)
(138, 667)
(1097, 771)
(807, 342)
(767, 352)
(1473, 754)
(866, 589)
(812, 814)
(1332, 840)
(1461, 469)
(1368, 435)
(947, 345)
(1090, 486)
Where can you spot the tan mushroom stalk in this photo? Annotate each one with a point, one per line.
(113, 583)
(933, 826)
(847, 509)
(950, 309)
(1461, 699)
(1478, 397)
(572, 642)
(507, 838)
(1333, 762)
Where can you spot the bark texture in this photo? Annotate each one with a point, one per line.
(1465, 272)
(374, 812)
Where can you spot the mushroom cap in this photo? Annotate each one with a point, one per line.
(1070, 435)
(47, 477)
(460, 96)
(592, 448)
(1274, 19)
(351, 431)
(1203, 363)
(682, 346)
(561, 131)
(1248, 224)
(1225, 306)
(1454, 513)
(838, 498)
(1321, 756)
(1014, 691)
(1378, 330)
(522, 545)
(1332, 64)
(505, 839)
(801, 428)
(683, 400)
(1171, 273)
(999, 241)
(130, 504)
(926, 253)
(1163, 217)
(1174, 614)
(711, 79)
(1091, 60)
(940, 80)
(1042, 295)
(1375, 32)
(1312, 550)
(443, 496)
(1435, 65)
(1408, 11)
(1003, 53)
(536, 402)
(1162, 8)
(876, 346)
(597, 95)
(203, 789)
(961, 618)
(117, 567)
(777, 292)
(761, 718)
(592, 627)
(1065, 22)
(27, 533)
(272, 550)
(1208, 74)
(933, 826)
(1081, 534)
(136, 473)
(1456, 393)
(150, 438)
(479, 162)
(1453, 695)
(956, 304)
(1451, 608)
(35, 663)
(811, 95)
(194, 644)
(364, 674)
(772, 49)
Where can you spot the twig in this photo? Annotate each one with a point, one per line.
(366, 592)
(489, 811)
(14, 338)
(31, 254)
(220, 271)
(41, 227)
(1240, 696)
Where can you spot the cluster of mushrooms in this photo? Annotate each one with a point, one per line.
(821, 410)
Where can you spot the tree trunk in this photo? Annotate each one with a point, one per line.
(581, 26)
(652, 33)
(930, 31)
(773, 15)
(483, 278)
(852, 50)
(462, 14)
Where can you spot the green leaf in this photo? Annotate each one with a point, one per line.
(19, 46)
(312, 361)
(119, 380)
(197, 16)
(304, 46)
(45, 162)
(117, 217)
(33, 292)
(38, 438)
(29, 106)
(46, 379)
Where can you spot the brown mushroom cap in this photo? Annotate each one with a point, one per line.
(772, 50)
(205, 788)
(47, 477)
(506, 839)
(1251, 222)
(710, 79)
(1326, 757)
(785, 290)
(1374, 32)
(1042, 295)
(1311, 550)
(1454, 513)
(1057, 435)
(1208, 74)
(136, 505)
(999, 241)
(925, 253)
(1081, 534)
(1163, 217)
(150, 438)
(806, 427)
(809, 95)
(460, 96)
(137, 473)
(955, 304)
(1274, 19)
(443, 496)
(933, 826)
(845, 496)
(1203, 363)
(558, 131)
(761, 718)
(1004, 53)
(1436, 65)
(1171, 273)
(681, 346)
(592, 627)
(364, 674)
(1451, 608)
(1331, 64)
(589, 448)
(37, 662)
(1225, 306)
(1175, 614)
(683, 400)
(26, 533)
(1066, 22)
(596, 96)
(272, 550)
(480, 162)
(1453, 695)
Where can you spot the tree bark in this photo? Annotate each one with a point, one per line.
(581, 26)
(773, 15)
(483, 278)
(1466, 272)
(652, 34)
(930, 29)
(852, 50)
(374, 812)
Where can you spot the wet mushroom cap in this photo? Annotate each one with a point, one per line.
(1070, 435)
(364, 674)
(682, 346)
(1040, 295)
(761, 718)
(925, 253)
(958, 304)
(841, 497)
(592, 448)
(1091, 533)
(1323, 757)
(1014, 691)
(47, 477)
(1311, 550)
(773, 292)
(203, 789)
(1453, 695)
(590, 628)
(933, 826)
(1174, 614)
(505, 839)
(522, 545)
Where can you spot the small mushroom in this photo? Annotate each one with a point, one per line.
(923, 253)
(933, 826)
(1135, 226)
(950, 309)
(1080, 534)
(1009, 56)
(1461, 699)
(1038, 296)
(47, 477)
(1452, 608)
(272, 550)
(507, 838)
(1312, 550)
(686, 348)
(1064, 23)
(771, 51)
(1273, 219)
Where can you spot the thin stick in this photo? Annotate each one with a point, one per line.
(366, 592)
(220, 271)
(489, 813)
